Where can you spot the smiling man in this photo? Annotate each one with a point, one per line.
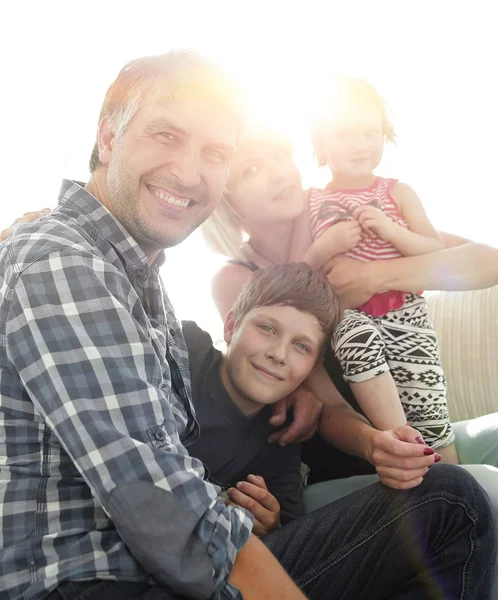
(99, 496)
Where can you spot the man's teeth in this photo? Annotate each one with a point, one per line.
(172, 200)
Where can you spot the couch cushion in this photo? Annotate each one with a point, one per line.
(467, 328)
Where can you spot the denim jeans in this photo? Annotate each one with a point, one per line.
(436, 541)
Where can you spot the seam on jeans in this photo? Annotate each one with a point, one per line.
(329, 562)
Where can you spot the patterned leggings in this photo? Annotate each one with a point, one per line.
(404, 343)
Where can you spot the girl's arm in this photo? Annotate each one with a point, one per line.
(419, 238)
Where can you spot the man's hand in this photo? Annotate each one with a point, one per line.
(350, 280)
(374, 220)
(254, 496)
(307, 409)
(28, 217)
(401, 457)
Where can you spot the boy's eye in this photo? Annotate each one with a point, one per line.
(302, 347)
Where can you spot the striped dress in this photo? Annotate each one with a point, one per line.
(328, 207)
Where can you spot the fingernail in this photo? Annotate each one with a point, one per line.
(437, 457)
(428, 451)
(420, 440)
(239, 484)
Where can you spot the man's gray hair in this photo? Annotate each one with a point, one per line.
(166, 78)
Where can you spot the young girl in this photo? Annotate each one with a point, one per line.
(387, 348)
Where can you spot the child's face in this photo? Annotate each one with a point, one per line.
(270, 353)
(265, 184)
(354, 140)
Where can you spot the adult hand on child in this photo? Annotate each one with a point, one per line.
(253, 495)
(350, 279)
(401, 457)
(28, 217)
(307, 409)
(374, 220)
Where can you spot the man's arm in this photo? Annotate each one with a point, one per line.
(92, 373)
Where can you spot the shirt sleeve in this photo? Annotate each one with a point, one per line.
(287, 482)
(78, 336)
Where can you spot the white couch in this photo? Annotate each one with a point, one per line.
(467, 328)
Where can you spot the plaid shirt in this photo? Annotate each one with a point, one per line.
(95, 414)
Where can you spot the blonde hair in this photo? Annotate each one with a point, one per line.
(223, 232)
(167, 77)
(347, 89)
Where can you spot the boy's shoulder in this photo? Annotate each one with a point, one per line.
(201, 349)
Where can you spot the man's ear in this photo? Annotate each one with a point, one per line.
(105, 140)
(228, 327)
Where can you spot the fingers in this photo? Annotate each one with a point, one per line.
(401, 485)
(28, 217)
(279, 414)
(297, 433)
(257, 500)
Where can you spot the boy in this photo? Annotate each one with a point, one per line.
(276, 335)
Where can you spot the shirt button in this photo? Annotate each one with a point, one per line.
(160, 435)
(172, 332)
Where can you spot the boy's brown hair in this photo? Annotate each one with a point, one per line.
(296, 285)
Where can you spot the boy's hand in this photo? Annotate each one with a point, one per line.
(28, 217)
(307, 409)
(374, 220)
(401, 457)
(253, 495)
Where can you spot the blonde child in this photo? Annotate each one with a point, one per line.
(387, 348)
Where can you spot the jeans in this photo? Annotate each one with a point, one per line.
(436, 541)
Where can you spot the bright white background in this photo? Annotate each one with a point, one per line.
(434, 61)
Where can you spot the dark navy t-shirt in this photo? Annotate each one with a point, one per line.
(233, 445)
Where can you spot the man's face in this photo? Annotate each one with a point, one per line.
(270, 353)
(168, 169)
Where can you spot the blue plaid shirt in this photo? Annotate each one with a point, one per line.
(95, 415)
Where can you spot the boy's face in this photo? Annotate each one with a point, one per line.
(270, 353)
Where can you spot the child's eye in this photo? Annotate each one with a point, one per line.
(372, 133)
(302, 347)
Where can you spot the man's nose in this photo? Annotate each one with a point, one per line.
(186, 167)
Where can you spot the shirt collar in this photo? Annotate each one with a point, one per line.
(93, 214)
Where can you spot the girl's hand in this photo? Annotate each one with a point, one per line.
(253, 495)
(346, 234)
(28, 217)
(374, 220)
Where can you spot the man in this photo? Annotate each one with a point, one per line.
(100, 498)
